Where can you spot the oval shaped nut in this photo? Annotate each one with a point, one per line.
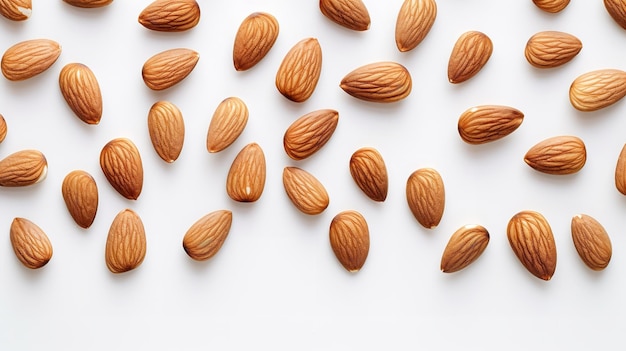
(369, 172)
(207, 235)
(487, 123)
(309, 133)
(617, 10)
(597, 89)
(300, 70)
(170, 15)
(350, 239)
(255, 37)
(464, 247)
(552, 6)
(351, 14)
(551, 49)
(228, 122)
(89, 4)
(305, 191)
(414, 21)
(168, 68)
(81, 91)
(121, 164)
(80, 194)
(23, 168)
(470, 54)
(558, 155)
(591, 241)
(167, 130)
(426, 196)
(246, 177)
(3, 128)
(16, 10)
(126, 242)
(30, 243)
(620, 171)
(29, 58)
(532, 241)
(378, 82)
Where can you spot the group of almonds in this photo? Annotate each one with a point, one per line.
(529, 233)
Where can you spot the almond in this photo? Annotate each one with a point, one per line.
(591, 241)
(425, 196)
(29, 58)
(470, 54)
(597, 89)
(551, 49)
(350, 239)
(80, 194)
(309, 133)
(305, 191)
(23, 168)
(255, 37)
(170, 15)
(617, 10)
(89, 3)
(167, 130)
(552, 6)
(81, 91)
(168, 68)
(246, 177)
(3, 128)
(415, 19)
(487, 123)
(531, 239)
(228, 122)
(16, 10)
(121, 164)
(620, 172)
(300, 70)
(464, 247)
(378, 82)
(30, 243)
(207, 235)
(126, 242)
(369, 172)
(351, 14)
(557, 155)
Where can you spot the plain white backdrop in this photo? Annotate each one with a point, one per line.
(276, 284)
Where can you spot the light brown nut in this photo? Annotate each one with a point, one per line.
(531, 239)
(16, 10)
(351, 14)
(81, 91)
(300, 70)
(305, 191)
(550, 49)
(126, 242)
(89, 4)
(246, 177)
(23, 168)
(80, 194)
(167, 130)
(369, 172)
(620, 171)
(350, 239)
(487, 123)
(168, 68)
(255, 37)
(378, 82)
(414, 21)
(170, 15)
(464, 247)
(30, 243)
(309, 133)
(552, 6)
(617, 10)
(3, 128)
(591, 241)
(558, 155)
(597, 89)
(228, 122)
(470, 54)
(426, 197)
(29, 58)
(207, 235)
(121, 164)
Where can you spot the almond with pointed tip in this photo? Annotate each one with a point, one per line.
(121, 164)
(81, 91)
(425, 195)
(170, 15)
(470, 54)
(414, 21)
(80, 194)
(620, 171)
(369, 172)
(351, 14)
(300, 70)
(551, 49)
(464, 247)
(207, 235)
(246, 177)
(255, 37)
(532, 241)
(29, 58)
(23, 168)
(305, 191)
(591, 241)
(89, 4)
(378, 82)
(167, 130)
(558, 155)
(350, 239)
(598, 89)
(487, 123)
(126, 242)
(16, 10)
(30, 243)
(309, 133)
(552, 6)
(3, 128)
(228, 122)
(617, 10)
(168, 68)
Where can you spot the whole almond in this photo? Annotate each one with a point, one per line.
(81, 91)
(552, 6)
(305, 191)
(470, 54)
(3, 128)
(487, 123)
(16, 10)
(350, 239)
(369, 172)
(351, 14)
(414, 21)
(207, 235)
(464, 247)
(170, 15)
(378, 82)
(300, 70)
(620, 171)
(228, 122)
(167, 130)
(88, 4)
(30, 243)
(126, 242)
(168, 68)
(551, 49)
(591, 241)
(246, 177)
(617, 10)
(23, 168)
(255, 37)
(558, 155)
(425, 195)
(121, 164)
(531, 239)
(80, 194)
(597, 89)
(29, 58)
(309, 133)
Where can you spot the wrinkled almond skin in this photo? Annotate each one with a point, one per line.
(552, 6)
(350, 239)
(80, 194)
(170, 15)
(30, 243)
(351, 14)
(309, 133)
(255, 37)
(122, 166)
(378, 82)
(620, 171)
(81, 91)
(207, 235)
(246, 177)
(126, 242)
(29, 58)
(168, 68)
(3, 128)
(16, 10)
(414, 21)
(89, 4)
(425, 195)
(551, 49)
(487, 123)
(369, 172)
(617, 10)
(470, 54)
(305, 191)
(464, 247)
(591, 241)
(167, 130)
(23, 168)
(558, 155)
(597, 89)
(532, 241)
(300, 70)
(228, 122)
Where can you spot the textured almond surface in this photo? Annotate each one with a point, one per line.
(89, 3)
(414, 21)
(207, 235)
(305, 191)
(126, 242)
(620, 171)
(552, 6)
(30, 243)
(81, 91)
(597, 89)
(168, 68)
(300, 70)
(3, 128)
(350, 239)
(80, 194)
(369, 172)
(16, 10)
(378, 82)
(23, 168)
(246, 177)
(425, 195)
(170, 15)
(531, 239)
(255, 37)
(469, 55)
(309, 133)
(351, 14)
(121, 164)
(29, 58)
(551, 49)
(167, 130)
(464, 247)
(617, 10)
(486, 123)
(557, 155)
(228, 122)
(591, 241)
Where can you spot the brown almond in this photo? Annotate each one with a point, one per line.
(369, 172)
(464, 247)
(168, 68)
(551, 49)
(414, 21)
(300, 70)
(620, 171)
(426, 197)
(23, 168)
(487, 123)
(558, 155)
(617, 10)
(30, 243)
(597, 89)
(170, 15)
(121, 164)
(591, 241)
(81, 91)
(351, 14)
(167, 130)
(89, 4)
(207, 235)
(3, 128)
(532, 241)
(255, 37)
(305, 191)
(552, 6)
(16, 10)
(350, 239)
(378, 82)
(228, 122)
(29, 58)
(470, 54)
(246, 177)
(309, 133)
(80, 194)
(126, 242)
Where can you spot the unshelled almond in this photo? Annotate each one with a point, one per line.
(464, 247)
(30, 243)
(228, 122)
(309, 133)
(532, 241)
(3, 128)
(469, 55)
(617, 10)
(255, 37)
(246, 177)
(16, 10)
(170, 15)
(89, 4)
(300, 70)
(486, 123)
(80, 194)
(351, 14)
(168, 68)
(620, 171)
(378, 82)
(126, 242)
(81, 91)
(550, 49)
(369, 172)
(121, 164)
(552, 6)
(426, 197)
(557, 155)
(350, 239)
(167, 130)
(597, 89)
(207, 235)
(23, 168)
(591, 241)
(305, 191)
(29, 58)
(414, 21)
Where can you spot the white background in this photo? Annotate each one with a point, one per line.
(276, 284)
